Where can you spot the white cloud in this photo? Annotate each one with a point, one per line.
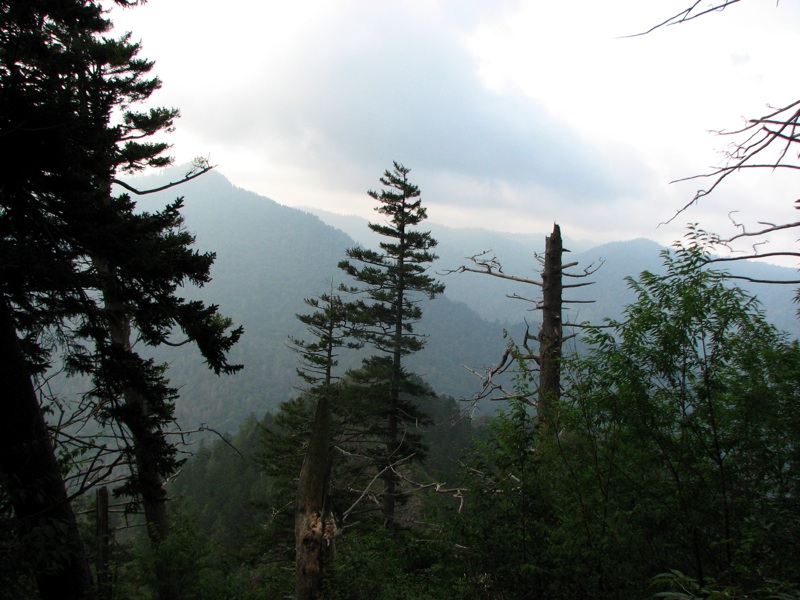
(510, 114)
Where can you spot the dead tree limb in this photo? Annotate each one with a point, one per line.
(199, 166)
(690, 13)
(547, 357)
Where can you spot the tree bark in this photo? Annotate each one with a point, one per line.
(32, 477)
(550, 336)
(389, 499)
(103, 532)
(313, 524)
(151, 485)
(146, 440)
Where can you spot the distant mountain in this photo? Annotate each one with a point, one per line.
(270, 257)
(623, 259)
(515, 251)
(613, 262)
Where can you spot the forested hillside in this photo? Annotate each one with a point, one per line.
(208, 395)
(627, 456)
(270, 257)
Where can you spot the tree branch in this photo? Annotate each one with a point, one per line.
(200, 166)
(687, 14)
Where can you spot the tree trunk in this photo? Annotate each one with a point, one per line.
(146, 441)
(313, 525)
(389, 498)
(390, 478)
(32, 477)
(151, 485)
(550, 336)
(103, 532)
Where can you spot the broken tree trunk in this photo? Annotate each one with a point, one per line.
(314, 527)
(550, 335)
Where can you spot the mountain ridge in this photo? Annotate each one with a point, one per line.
(269, 257)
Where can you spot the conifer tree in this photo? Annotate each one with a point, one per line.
(393, 279)
(82, 272)
(331, 327)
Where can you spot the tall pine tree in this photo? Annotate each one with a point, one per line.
(82, 272)
(393, 279)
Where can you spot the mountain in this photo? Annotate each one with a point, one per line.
(269, 257)
(622, 259)
(515, 251)
(611, 263)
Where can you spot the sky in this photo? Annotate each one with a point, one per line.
(512, 115)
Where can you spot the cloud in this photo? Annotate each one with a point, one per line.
(511, 114)
(344, 96)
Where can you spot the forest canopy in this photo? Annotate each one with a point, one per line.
(653, 453)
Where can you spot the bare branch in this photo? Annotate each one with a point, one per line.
(688, 14)
(770, 281)
(590, 270)
(764, 231)
(438, 487)
(204, 427)
(714, 240)
(499, 274)
(365, 491)
(200, 166)
(752, 256)
(761, 134)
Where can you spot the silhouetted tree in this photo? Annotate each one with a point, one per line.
(332, 329)
(392, 280)
(82, 272)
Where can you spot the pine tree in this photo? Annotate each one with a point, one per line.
(392, 280)
(42, 185)
(82, 272)
(332, 329)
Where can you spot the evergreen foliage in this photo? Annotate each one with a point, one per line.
(332, 327)
(392, 279)
(81, 268)
(270, 257)
(672, 474)
(392, 276)
(670, 466)
(246, 505)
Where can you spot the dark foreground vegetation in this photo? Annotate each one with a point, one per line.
(654, 455)
(668, 465)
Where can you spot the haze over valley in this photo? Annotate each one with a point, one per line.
(270, 257)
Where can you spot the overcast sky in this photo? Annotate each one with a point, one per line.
(511, 115)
